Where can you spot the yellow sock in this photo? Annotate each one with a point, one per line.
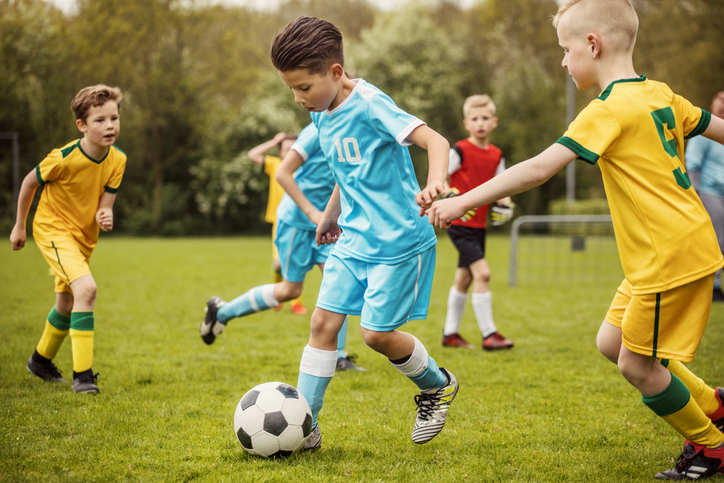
(704, 395)
(81, 337)
(56, 328)
(691, 422)
(676, 406)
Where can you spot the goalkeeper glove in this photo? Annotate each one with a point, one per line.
(500, 215)
(452, 193)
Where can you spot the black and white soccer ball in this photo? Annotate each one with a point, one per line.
(272, 420)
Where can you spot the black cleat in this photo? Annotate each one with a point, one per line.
(85, 382)
(47, 372)
(211, 327)
(695, 462)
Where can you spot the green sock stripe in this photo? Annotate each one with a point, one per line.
(670, 400)
(664, 362)
(60, 322)
(81, 320)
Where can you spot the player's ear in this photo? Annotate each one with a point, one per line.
(594, 45)
(336, 71)
(82, 127)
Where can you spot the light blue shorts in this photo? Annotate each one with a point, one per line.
(385, 296)
(298, 251)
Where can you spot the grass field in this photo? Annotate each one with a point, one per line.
(552, 409)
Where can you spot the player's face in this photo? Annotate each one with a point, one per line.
(577, 56)
(102, 124)
(315, 92)
(480, 122)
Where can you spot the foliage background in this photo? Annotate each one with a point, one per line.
(200, 90)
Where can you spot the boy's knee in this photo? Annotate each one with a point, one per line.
(608, 348)
(84, 289)
(289, 291)
(375, 340)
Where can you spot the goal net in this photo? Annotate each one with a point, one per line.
(563, 249)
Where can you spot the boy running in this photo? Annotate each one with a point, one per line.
(382, 265)
(80, 182)
(635, 131)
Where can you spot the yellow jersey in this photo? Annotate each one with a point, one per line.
(72, 184)
(271, 164)
(636, 129)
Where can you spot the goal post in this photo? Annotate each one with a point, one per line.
(563, 249)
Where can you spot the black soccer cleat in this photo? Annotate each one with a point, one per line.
(85, 382)
(696, 462)
(211, 327)
(47, 372)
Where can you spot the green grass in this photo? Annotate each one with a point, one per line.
(551, 409)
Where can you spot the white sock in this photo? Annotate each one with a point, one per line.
(455, 308)
(483, 307)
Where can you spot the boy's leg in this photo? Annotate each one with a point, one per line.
(56, 329)
(346, 362)
(82, 333)
(456, 300)
(438, 387)
(319, 358)
(483, 307)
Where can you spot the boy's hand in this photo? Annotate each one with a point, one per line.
(18, 237)
(425, 197)
(452, 193)
(280, 136)
(104, 217)
(328, 232)
(443, 212)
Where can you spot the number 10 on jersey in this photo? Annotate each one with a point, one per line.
(347, 150)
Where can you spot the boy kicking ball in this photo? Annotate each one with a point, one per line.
(635, 131)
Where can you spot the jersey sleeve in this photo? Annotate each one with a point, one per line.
(391, 121)
(116, 176)
(501, 166)
(592, 132)
(456, 159)
(51, 168)
(307, 144)
(694, 120)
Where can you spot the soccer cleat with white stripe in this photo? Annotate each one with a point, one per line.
(211, 327)
(432, 407)
(696, 462)
(314, 442)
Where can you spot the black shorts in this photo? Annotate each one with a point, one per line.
(470, 242)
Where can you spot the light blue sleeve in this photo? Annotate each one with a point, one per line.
(390, 121)
(695, 153)
(307, 143)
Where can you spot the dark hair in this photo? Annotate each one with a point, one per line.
(94, 96)
(307, 43)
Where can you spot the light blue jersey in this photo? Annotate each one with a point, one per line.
(706, 157)
(364, 140)
(313, 178)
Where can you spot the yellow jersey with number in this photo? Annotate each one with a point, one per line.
(635, 132)
(271, 164)
(72, 184)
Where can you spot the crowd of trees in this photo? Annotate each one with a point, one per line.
(200, 90)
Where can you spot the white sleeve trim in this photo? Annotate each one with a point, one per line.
(402, 136)
(455, 162)
(501, 166)
(301, 151)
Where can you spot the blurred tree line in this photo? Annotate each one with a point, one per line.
(200, 89)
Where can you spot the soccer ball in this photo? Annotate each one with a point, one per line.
(272, 420)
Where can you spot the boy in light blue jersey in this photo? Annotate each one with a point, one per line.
(382, 265)
(305, 176)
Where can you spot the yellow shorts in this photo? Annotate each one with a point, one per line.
(275, 252)
(68, 260)
(669, 324)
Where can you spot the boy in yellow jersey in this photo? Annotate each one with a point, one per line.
(270, 164)
(635, 131)
(80, 182)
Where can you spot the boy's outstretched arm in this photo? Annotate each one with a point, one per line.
(104, 214)
(256, 154)
(328, 231)
(285, 177)
(438, 155)
(715, 131)
(25, 199)
(516, 179)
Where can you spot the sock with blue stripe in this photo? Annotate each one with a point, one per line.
(421, 369)
(315, 372)
(255, 300)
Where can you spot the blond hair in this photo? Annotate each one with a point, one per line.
(478, 100)
(613, 19)
(94, 96)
